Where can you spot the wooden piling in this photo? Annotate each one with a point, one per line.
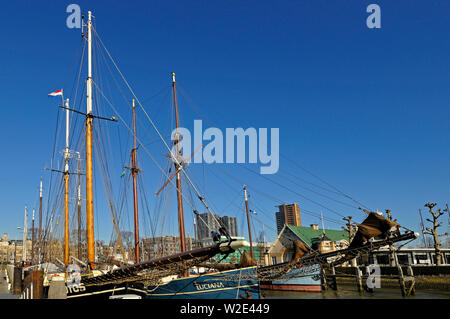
(324, 280)
(18, 281)
(359, 279)
(334, 281)
(401, 278)
(412, 281)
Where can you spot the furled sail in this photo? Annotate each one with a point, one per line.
(374, 226)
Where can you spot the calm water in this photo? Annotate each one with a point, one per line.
(352, 293)
(8, 296)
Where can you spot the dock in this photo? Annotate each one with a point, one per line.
(4, 287)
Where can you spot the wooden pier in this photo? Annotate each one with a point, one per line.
(361, 276)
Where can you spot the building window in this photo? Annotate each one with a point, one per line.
(422, 259)
(274, 260)
(403, 259)
(383, 259)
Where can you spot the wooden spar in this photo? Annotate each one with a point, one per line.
(175, 173)
(79, 220)
(248, 221)
(79, 208)
(130, 271)
(66, 219)
(177, 169)
(134, 172)
(89, 177)
(66, 191)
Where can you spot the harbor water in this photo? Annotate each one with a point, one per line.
(352, 293)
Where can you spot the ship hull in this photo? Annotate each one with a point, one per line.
(232, 284)
(97, 292)
(305, 278)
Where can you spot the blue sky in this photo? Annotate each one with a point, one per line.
(365, 109)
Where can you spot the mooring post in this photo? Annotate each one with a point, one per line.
(412, 288)
(18, 281)
(334, 281)
(324, 280)
(401, 278)
(359, 279)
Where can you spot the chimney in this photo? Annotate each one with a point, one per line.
(315, 226)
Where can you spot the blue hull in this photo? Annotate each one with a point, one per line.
(232, 284)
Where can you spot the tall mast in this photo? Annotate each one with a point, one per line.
(177, 169)
(79, 208)
(89, 178)
(24, 238)
(40, 221)
(32, 239)
(66, 190)
(248, 221)
(134, 171)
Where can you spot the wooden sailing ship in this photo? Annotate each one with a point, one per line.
(169, 276)
(93, 283)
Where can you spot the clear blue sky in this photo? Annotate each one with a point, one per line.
(367, 110)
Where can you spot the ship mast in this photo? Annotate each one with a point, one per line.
(248, 221)
(40, 221)
(32, 239)
(89, 178)
(134, 171)
(178, 170)
(24, 238)
(79, 208)
(66, 190)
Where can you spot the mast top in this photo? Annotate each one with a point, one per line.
(173, 77)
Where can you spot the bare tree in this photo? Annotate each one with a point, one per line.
(350, 227)
(433, 231)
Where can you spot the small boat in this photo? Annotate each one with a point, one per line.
(300, 278)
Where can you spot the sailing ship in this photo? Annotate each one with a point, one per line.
(95, 283)
(173, 276)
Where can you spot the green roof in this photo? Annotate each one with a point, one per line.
(311, 236)
(235, 256)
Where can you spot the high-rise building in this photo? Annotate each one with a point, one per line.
(288, 214)
(207, 222)
(230, 224)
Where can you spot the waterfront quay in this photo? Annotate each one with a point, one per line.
(4, 286)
